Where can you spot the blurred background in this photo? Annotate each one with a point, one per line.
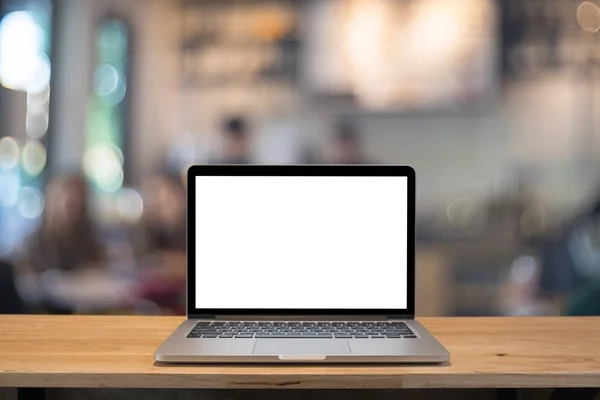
(104, 103)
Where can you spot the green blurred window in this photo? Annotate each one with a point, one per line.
(105, 131)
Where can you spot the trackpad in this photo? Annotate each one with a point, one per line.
(301, 346)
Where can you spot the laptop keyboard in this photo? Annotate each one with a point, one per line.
(301, 330)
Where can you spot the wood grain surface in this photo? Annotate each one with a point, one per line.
(117, 352)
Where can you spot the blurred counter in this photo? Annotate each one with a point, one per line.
(476, 278)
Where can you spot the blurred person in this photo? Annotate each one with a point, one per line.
(164, 218)
(571, 264)
(346, 147)
(236, 142)
(64, 245)
(162, 248)
(583, 246)
(67, 238)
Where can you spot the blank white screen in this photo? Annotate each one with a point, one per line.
(301, 242)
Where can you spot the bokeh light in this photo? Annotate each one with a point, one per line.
(31, 202)
(22, 63)
(459, 212)
(106, 80)
(118, 94)
(9, 153)
(36, 125)
(103, 165)
(10, 182)
(588, 17)
(38, 102)
(40, 80)
(523, 269)
(130, 205)
(118, 154)
(34, 157)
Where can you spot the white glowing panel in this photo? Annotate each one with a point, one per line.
(301, 242)
(402, 54)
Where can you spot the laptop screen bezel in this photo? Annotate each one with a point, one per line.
(299, 170)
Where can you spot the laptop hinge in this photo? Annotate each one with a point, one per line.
(200, 316)
(401, 316)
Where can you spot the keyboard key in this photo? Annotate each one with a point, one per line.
(210, 336)
(244, 336)
(226, 336)
(409, 337)
(342, 336)
(393, 336)
(360, 336)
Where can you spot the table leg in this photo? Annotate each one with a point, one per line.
(575, 394)
(31, 394)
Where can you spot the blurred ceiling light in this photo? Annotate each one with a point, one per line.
(34, 157)
(31, 203)
(588, 16)
(130, 205)
(9, 153)
(22, 64)
(103, 164)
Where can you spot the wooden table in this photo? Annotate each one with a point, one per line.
(117, 352)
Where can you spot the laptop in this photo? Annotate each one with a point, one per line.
(301, 264)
